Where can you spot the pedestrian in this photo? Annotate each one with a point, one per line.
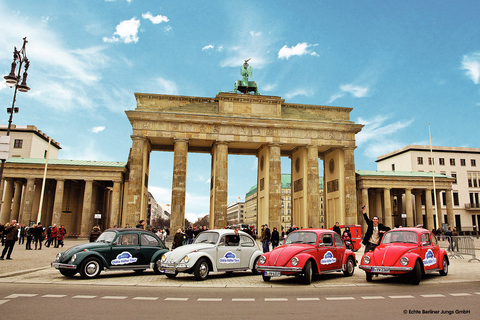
(95, 234)
(448, 234)
(22, 234)
(265, 238)
(11, 232)
(454, 239)
(29, 233)
(38, 235)
(375, 232)
(60, 235)
(2, 228)
(177, 239)
(49, 237)
(189, 233)
(336, 228)
(141, 224)
(275, 238)
(54, 235)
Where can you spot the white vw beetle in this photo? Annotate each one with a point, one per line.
(218, 250)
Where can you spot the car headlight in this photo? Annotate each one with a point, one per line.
(73, 258)
(59, 255)
(294, 261)
(404, 261)
(163, 258)
(186, 259)
(366, 260)
(262, 260)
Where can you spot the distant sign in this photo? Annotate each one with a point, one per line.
(98, 216)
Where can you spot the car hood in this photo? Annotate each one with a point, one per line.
(178, 253)
(388, 254)
(280, 256)
(86, 246)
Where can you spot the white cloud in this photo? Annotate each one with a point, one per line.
(471, 63)
(155, 19)
(299, 50)
(269, 87)
(166, 86)
(209, 47)
(255, 34)
(377, 130)
(299, 92)
(126, 31)
(354, 90)
(97, 129)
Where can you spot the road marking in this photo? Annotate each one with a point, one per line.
(401, 297)
(308, 299)
(460, 294)
(176, 299)
(373, 298)
(209, 299)
(114, 297)
(146, 298)
(21, 295)
(339, 298)
(83, 297)
(276, 299)
(438, 295)
(54, 296)
(243, 299)
(477, 292)
(3, 301)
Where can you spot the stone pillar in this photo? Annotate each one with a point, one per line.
(387, 208)
(438, 207)
(58, 202)
(418, 208)
(219, 186)
(17, 197)
(398, 217)
(450, 217)
(429, 209)
(367, 208)
(350, 187)
(116, 196)
(179, 185)
(87, 214)
(28, 204)
(36, 200)
(409, 207)
(7, 201)
(378, 205)
(275, 187)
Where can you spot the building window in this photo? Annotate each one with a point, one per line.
(393, 167)
(473, 162)
(18, 143)
(456, 202)
(452, 161)
(441, 161)
(454, 175)
(419, 160)
(463, 163)
(430, 161)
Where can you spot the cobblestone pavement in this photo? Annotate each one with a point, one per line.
(33, 266)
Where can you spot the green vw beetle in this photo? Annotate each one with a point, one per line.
(115, 249)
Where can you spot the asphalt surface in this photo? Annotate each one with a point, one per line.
(33, 266)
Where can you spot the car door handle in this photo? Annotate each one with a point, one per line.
(239, 249)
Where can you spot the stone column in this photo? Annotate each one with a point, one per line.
(275, 187)
(450, 217)
(36, 201)
(179, 185)
(409, 207)
(28, 204)
(116, 196)
(87, 214)
(350, 187)
(219, 188)
(387, 208)
(58, 202)
(429, 209)
(17, 197)
(7, 201)
(438, 207)
(367, 208)
(136, 180)
(418, 208)
(378, 206)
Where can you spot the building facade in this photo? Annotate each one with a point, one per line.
(235, 213)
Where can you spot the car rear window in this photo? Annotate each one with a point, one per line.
(148, 240)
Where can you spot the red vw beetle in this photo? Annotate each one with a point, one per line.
(307, 252)
(411, 251)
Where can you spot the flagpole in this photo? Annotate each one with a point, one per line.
(39, 218)
(437, 205)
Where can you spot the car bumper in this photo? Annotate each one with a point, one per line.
(58, 265)
(279, 269)
(385, 270)
(173, 267)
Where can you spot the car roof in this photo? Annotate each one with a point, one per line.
(416, 230)
(226, 231)
(317, 231)
(127, 229)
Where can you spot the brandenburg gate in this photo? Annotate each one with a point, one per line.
(247, 124)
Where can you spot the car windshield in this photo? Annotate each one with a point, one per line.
(107, 237)
(207, 237)
(400, 236)
(302, 237)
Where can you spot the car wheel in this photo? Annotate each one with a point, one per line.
(90, 268)
(416, 273)
(307, 273)
(349, 268)
(201, 269)
(255, 266)
(68, 273)
(266, 278)
(155, 266)
(171, 275)
(444, 270)
(369, 276)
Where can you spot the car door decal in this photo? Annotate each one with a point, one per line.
(429, 258)
(229, 257)
(328, 258)
(123, 258)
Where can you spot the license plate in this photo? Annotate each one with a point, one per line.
(272, 273)
(380, 269)
(169, 271)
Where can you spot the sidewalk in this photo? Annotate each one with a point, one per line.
(33, 266)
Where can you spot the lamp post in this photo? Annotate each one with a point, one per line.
(13, 80)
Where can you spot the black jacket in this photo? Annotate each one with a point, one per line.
(369, 232)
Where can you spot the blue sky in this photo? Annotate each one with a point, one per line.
(399, 64)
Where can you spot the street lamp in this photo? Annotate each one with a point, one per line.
(13, 80)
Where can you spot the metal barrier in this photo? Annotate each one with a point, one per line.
(458, 246)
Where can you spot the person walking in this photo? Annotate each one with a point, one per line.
(95, 234)
(29, 235)
(54, 235)
(11, 232)
(38, 235)
(275, 238)
(60, 236)
(178, 239)
(22, 234)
